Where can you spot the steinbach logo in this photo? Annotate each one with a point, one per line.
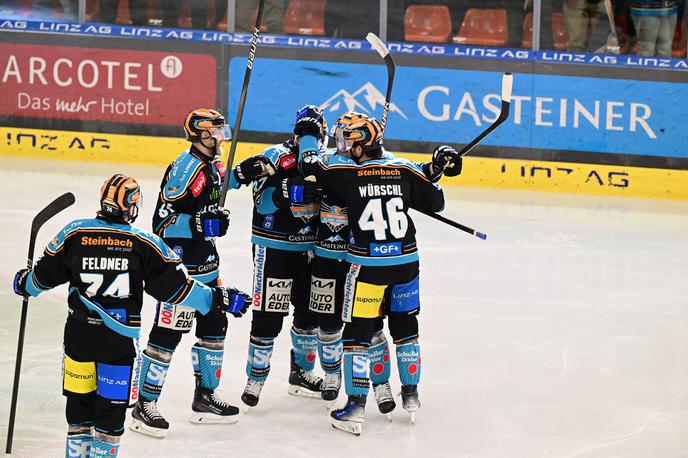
(369, 94)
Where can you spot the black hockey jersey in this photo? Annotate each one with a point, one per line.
(191, 184)
(108, 267)
(378, 194)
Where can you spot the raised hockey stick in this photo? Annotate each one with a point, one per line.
(507, 83)
(381, 49)
(379, 46)
(242, 103)
(55, 207)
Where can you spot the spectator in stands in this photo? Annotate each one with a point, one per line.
(108, 9)
(273, 15)
(200, 10)
(44, 9)
(655, 24)
(580, 17)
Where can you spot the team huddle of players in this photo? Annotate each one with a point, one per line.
(332, 239)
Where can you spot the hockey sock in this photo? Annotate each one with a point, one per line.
(380, 367)
(104, 446)
(356, 372)
(408, 362)
(259, 354)
(330, 351)
(305, 343)
(79, 441)
(153, 373)
(207, 362)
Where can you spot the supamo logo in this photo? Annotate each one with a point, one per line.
(366, 99)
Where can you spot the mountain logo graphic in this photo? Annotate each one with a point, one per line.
(366, 100)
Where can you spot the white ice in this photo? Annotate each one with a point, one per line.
(565, 334)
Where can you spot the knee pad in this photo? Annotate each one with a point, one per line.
(380, 367)
(266, 325)
(356, 372)
(305, 344)
(330, 351)
(212, 326)
(402, 327)
(153, 372)
(207, 365)
(408, 362)
(259, 354)
(78, 445)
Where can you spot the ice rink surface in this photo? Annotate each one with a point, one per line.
(565, 334)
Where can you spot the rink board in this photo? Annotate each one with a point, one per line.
(583, 178)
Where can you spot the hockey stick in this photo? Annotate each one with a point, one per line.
(379, 46)
(507, 83)
(55, 207)
(381, 49)
(470, 230)
(242, 103)
(612, 46)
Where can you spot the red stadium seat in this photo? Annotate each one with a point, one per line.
(483, 26)
(123, 13)
(678, 48)
(305, 17)
(559, 37)
(222, 25)
(427, 23)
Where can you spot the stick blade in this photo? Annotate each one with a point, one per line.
(53, 208)
(377, 44)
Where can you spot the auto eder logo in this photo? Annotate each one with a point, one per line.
(366, 99)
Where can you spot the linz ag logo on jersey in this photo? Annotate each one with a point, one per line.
(105, 241)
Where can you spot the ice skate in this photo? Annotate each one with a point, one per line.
(384, 399)
(208, 408)
(350, 418)
(251, 394)
(410, 401)
(147, 420)
(330, 387)
(302, 383)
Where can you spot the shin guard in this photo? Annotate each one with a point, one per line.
(258, 363)
(408, 362)
(305, 344)
(207, 365)
(104, 446)
(153, 373)
(330, 352)
(356, 372)
(78, 445)
(380, 367)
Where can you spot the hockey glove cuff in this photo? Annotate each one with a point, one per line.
(19, 283)
(295, 190)
(210, 223)
(253, 168)
(230, 300)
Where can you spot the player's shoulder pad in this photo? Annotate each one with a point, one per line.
(183, 169)
(394, 161)
(329, 160)
(70, 229)
(387, 154)
(155, 242)
(275, 153)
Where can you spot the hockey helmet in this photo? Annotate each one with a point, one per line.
(366, 132)
(311, 114)
(209, 120)
(121, 197)
(343, 121)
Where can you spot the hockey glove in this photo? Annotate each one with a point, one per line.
(230, 300)
(309, 125)
(252, 168)
(19, 283)
(295, 190)
(210, 223)
(446, 160)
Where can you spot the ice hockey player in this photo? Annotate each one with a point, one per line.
(188, 219)
(109, 264)
(284, 217)
(383, 275)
